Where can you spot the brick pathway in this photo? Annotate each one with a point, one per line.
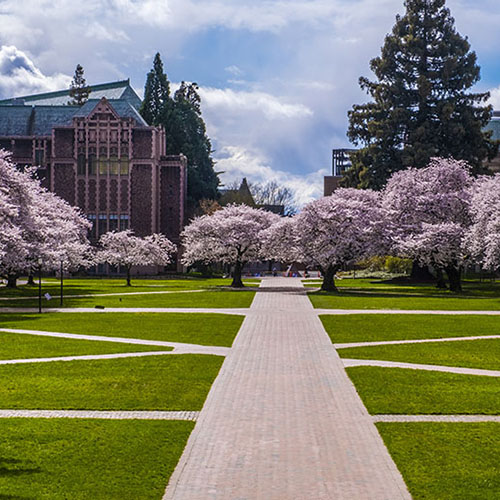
(282, 421)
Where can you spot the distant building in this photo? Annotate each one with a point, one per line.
(244, 196)
(341, 161)
(102, 157)
(494, 126)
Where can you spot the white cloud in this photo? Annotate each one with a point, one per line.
(495, 98)
(236, 102)
(234, 70)
(19, 75)
(236, 162)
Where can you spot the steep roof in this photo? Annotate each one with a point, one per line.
(111, 91)
(36, 120)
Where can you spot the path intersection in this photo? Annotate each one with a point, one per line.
(282, 420)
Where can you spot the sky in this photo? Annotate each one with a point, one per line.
(277, 78)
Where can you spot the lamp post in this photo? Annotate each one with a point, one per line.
(61, 297)
(39, 284)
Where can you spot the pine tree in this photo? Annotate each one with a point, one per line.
(421, 108)
(79, 91)
(156, 93)
(185, 130)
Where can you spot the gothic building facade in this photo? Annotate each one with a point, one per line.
(102, 157)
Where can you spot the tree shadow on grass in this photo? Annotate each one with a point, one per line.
(15, 467)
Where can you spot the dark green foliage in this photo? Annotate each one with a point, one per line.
(156, 93)
(79, 91)
(421, 108)
(185, 130)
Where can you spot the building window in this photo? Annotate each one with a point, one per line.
(103, 224)
(81, 164)
(103, 167)
(39, 154)
(93, 229)
(124, 168)
(113, 222)
(92, 165)
(123, 222)
(114, 165)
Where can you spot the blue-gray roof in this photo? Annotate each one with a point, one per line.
(113, 90)
(36, 120)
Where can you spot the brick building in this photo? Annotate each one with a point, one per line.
(102, 157)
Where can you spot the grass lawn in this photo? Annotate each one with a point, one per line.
(79, 286)
(446, 461)
(168, 382)
(20, 346)
(483, 354)
(363, 328)
(88, 459)
(205, 299)
(379, 294)
(204, 329)
(404, 391)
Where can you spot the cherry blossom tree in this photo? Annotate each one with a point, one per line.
(35, 225)
(428, 212)
(279, 241)
(232, 235)
(122, 248)
(339, 230)
(483, 238)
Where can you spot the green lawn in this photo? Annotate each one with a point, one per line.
(217, 298)
(79, 286)
(168, 382)
(366, 328)
(20, 346)
(204, 329)
(379, 294)
(446, 461)
(88, 459)
(404, 391)
(483, 354)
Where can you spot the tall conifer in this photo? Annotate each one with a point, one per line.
(79, 91)
(156, 93)
(421, 107)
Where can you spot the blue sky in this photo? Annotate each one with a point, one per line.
(277, 77)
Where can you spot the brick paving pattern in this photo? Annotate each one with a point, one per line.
(282, 420)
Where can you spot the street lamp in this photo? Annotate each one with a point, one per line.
(61, 294)
(40, 284)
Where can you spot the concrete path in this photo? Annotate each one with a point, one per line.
(282, 420)
(436, 418)
(416, 366)
(414, 341)
(178, 347)
(46, 310)
(111, 415)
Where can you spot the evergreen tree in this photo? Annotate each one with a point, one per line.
(421, 108)
(79, 91)
(185, 130)
(156, 93)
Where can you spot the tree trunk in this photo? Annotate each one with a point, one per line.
(31, 279)
(420, 273)
(455, 278)
(11, 281)
(128, 277)
(237, 283)
(441, 283)
(328, 284)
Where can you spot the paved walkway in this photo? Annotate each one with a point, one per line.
(414, 341)
(415, 366)
(282, 420)
(111, 415)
